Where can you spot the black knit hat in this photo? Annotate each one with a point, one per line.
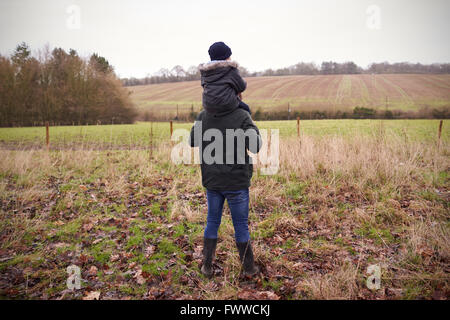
(219, 51)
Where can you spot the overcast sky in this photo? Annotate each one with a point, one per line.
(140, 37)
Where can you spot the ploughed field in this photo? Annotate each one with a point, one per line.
(306, 93)
(348, 194)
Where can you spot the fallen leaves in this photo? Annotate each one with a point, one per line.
(92, 270)
(209, 286)
(309, 240)
(59, 245)
(27, 271)
(89, 224)
(248, 294)
(88, 227)
(3, 259)
(97, 241)
(139, 277)
(149, 250)
(114, 257)
(93, 295)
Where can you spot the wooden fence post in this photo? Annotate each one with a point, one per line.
(47, 136)
(440, 133)
(171, 129)
(151, 139)
(298, 127)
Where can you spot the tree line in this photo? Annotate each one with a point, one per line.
(355, 113)
(62, 88)
(177, 73)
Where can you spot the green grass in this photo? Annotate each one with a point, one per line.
(138, 135)
(304, 222)
(378, 235)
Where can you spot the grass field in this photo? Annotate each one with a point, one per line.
(304, 93)
(138, 135)
(348, 194)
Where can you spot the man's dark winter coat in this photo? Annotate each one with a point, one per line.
(221, 83)
(225, 175)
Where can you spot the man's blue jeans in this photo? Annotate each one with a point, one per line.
(238, 203)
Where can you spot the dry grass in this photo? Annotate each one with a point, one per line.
(339, 285)
(336, 206)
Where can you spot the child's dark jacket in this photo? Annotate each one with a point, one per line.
(221, 83)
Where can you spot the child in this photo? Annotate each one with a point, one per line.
(223, 179)
(222, 84)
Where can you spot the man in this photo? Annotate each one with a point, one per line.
(224, 136)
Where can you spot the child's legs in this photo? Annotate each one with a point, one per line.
(244, 106)
(215, 201)
(238, 203)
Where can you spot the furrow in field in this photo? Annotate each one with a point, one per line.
(433, 82)
(289, 88)
(319, 88)
(264, 90)
(406, 99)
(308, 87)
(377, 92)
(161, 94)
(332, 89)
(422, 88)
(191, 93)
(344, 89)
(441, 79)
(418, 88)
(404, 91)
(360, 95)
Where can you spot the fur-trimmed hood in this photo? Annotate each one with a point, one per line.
(221, 84)
(211, 65)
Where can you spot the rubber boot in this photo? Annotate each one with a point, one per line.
(209, 248)
(247, 260)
